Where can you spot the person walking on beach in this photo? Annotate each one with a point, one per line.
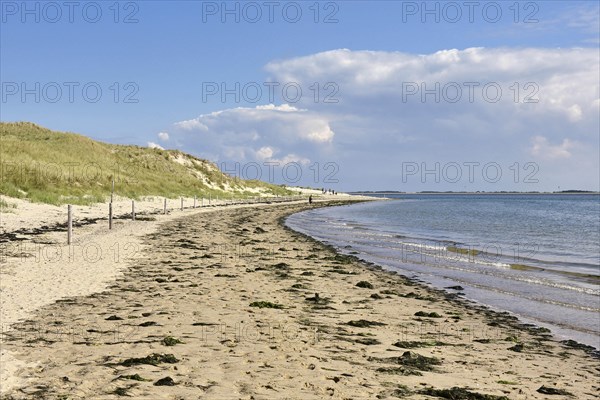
(310, 199)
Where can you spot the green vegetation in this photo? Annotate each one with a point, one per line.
(553, 391)
(265, 304)
(591, 278)
(519, 347)
(166, 381)
(408, 363)
(363, 323)
(171, 341)
(457, 393)
(4, 204)
(54, 167)
(152, 359)
(417, 344)
(134, 377)
(459, 250)
(523, 267)
(120, 391)
(426, 314)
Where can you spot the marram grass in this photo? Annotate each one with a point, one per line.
(56, 168)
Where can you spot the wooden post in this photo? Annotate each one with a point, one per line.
(133, 210)
(165, 206)
(182, 204)
(110, 215)
(69, 223)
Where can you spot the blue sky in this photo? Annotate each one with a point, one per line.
(370, 125)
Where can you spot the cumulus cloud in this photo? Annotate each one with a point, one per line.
(553, 79)
(153, 145)
(265, 153)
(270, 133)
(541, 147)
(192, 124)
(574, 113)
(514, 105)
(476, 104)
(163, 136)
(294, 123)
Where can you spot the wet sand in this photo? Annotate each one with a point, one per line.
(230, 304)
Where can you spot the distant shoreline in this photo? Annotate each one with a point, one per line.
(368, 193)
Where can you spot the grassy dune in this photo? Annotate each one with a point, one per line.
(55, 167)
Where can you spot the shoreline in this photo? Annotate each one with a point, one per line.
(562, 300)
(510, 318)
(231, 347)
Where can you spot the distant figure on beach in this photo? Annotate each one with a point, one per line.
(310, 199)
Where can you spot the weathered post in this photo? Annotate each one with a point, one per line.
(133, 210)
(182, 204)
(165, 206)
(110, 215)
(69, 223)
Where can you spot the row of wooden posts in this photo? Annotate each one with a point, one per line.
(164, 211)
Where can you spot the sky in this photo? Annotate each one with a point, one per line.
(347, 95)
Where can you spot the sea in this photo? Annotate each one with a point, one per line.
(536, 256)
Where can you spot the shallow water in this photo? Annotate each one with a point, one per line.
(537, 256)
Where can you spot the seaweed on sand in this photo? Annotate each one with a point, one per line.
(265, 304)
(152, 359)
(363, 323)
(411, 360)
(457, 393)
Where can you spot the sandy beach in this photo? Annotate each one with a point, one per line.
(227, 303)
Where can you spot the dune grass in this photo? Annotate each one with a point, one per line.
(54, 167)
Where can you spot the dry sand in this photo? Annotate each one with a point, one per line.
(195, 278)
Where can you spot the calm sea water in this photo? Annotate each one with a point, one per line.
(537, 256)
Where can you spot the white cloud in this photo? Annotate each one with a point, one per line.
(283, 107)
(293, 122)
(292, 158)
(192, 124)
(542, 148)
(264, 153)
(267, 154)
(153, 145)
(574, 113)
(377, 125)
(259, 133)
(559, 78)
(163, 136)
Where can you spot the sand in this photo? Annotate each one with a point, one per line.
(200, 277)
(38, 267)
